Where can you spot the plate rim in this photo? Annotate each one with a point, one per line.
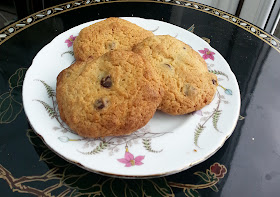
(134, 176)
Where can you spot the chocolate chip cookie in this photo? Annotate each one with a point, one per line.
(107, 35)
(183, 72)
(113, 95)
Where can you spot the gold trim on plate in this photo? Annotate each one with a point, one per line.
(30, 20)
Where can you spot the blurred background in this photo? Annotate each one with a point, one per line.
(262, 13)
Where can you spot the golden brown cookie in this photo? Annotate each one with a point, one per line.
(113, 95)
(107, 35)
(183, 72)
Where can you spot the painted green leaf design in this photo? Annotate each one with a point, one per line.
(203, 176)
(50, 110)
(133, 188)
(85, 183)
(10, 107)
(102, 146)
(72, 174)
(17, 78)
(191, 192)
(147, 145)
(34, 139)
(16, 94)
(197, 133)
(191, 28)
(215, 119)
(68, 52)
(107, 187)
(241, 117)
(46, 154)
(211, 175)
(214, 188)
(49, 89)
(228, 91)
(82, 182)
(217, 72)
(157, 187)
(121, 187)
(11, 102)
(86, 193)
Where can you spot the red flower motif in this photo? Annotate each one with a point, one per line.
(70, 40)
(207, 54)
(219, 170)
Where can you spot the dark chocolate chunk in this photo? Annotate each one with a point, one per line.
(106, 82)
(100, 104)
(168, 66)
(214, 81)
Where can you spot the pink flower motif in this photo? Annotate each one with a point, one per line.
(129, 159)
(199, 112)
(207, 54)
(70, 40)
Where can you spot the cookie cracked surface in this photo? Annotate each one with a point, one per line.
(113, 95)
(108, 35)
(183, 73)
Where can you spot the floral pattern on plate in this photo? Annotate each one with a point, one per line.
(187, 139)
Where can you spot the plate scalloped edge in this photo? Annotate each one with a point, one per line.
(154, 155)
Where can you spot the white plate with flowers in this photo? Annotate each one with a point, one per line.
(166, 145)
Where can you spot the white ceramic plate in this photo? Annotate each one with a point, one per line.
(166, 145)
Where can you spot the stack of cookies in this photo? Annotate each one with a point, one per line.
(123, 74)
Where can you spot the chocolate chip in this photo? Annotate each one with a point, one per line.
(106, 82)
(168, 65)
(184, 48)
(214, 81)
(100, 103)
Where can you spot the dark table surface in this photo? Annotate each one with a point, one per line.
(247, 165)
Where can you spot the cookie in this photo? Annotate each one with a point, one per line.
(113, 95)
(107, 35)
(183, 72)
